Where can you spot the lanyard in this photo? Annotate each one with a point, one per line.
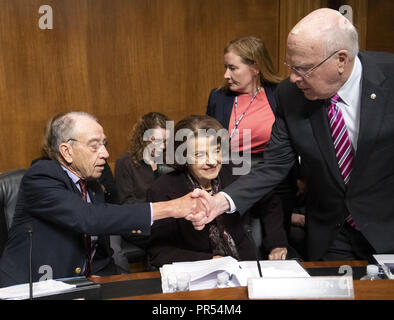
(243, 114)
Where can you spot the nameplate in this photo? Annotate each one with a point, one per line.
(338, 287)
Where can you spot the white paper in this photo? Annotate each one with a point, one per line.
(274, 269)
(203, 274)
(384, 259)
(42, 288)
(301, 288)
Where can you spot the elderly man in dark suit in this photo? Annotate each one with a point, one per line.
(336, 111)
(61, 201)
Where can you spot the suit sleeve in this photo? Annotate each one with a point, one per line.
(272, 222)
(47, 196)
(279, 157)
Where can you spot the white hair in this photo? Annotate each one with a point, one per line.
(62, 130)
(343, 36)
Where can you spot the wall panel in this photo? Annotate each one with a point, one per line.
(117, 59)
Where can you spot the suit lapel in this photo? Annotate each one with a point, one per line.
(374, 99)
(227, 109)
(322, 134)
(94, 191)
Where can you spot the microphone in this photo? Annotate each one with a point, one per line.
(29, 230)
(256, 249)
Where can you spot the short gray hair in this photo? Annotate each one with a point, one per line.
(62, 130)
(344, 36)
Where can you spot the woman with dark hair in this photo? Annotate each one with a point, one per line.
(198, 164)
(138, 168)
(135, 171)
(246, 104)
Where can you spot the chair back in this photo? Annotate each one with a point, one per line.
(9, 187)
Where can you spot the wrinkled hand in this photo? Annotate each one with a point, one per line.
(278, 254)
(212, 205)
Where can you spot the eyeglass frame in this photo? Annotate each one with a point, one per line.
(307, 73)
(92, 148)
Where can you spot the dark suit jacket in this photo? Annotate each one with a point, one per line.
(51, 203)
(174, 240)
(220, 103)
(132, 181)
(301, 128)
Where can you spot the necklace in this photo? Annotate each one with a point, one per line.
(237, 122)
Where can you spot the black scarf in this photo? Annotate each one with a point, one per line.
(221, 242)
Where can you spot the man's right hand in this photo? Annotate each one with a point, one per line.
(214, 205)
(186, 206)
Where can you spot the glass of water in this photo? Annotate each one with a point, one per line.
(172, 283)
(183, 281)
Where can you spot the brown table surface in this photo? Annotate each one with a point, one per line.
(363, 290)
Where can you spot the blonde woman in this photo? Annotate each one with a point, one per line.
(247, 101)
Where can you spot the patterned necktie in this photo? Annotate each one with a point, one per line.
(86, 238)
(342, 144)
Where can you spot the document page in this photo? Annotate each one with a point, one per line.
(387, 263)
(273, 269)
(42, 288)
(203, 274)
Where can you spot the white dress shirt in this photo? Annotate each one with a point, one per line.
(350, 101)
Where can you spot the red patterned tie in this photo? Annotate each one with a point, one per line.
(342, 144)
(86, 238)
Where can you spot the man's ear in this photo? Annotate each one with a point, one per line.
(66, 151)
(343, 60)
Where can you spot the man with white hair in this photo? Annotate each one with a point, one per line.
(336, 112)
(62, 204)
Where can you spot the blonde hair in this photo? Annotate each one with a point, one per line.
(252, 51)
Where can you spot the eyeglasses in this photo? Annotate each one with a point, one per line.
(94, 146)
(157, 141)
(306, 74)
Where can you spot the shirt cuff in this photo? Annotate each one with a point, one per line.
(230, 201)
(151, 213)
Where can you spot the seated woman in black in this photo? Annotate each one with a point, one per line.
(136, 170)
(174, 240)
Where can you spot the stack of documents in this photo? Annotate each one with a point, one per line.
(42, 288)
(203, 274)
(387, 263)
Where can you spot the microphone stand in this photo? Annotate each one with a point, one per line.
(30, 231)
(256, 250)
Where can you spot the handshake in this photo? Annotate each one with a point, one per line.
(198, 206)
(201, 208)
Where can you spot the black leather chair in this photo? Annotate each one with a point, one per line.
(9, 187)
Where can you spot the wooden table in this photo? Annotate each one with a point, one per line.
(363, 290)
